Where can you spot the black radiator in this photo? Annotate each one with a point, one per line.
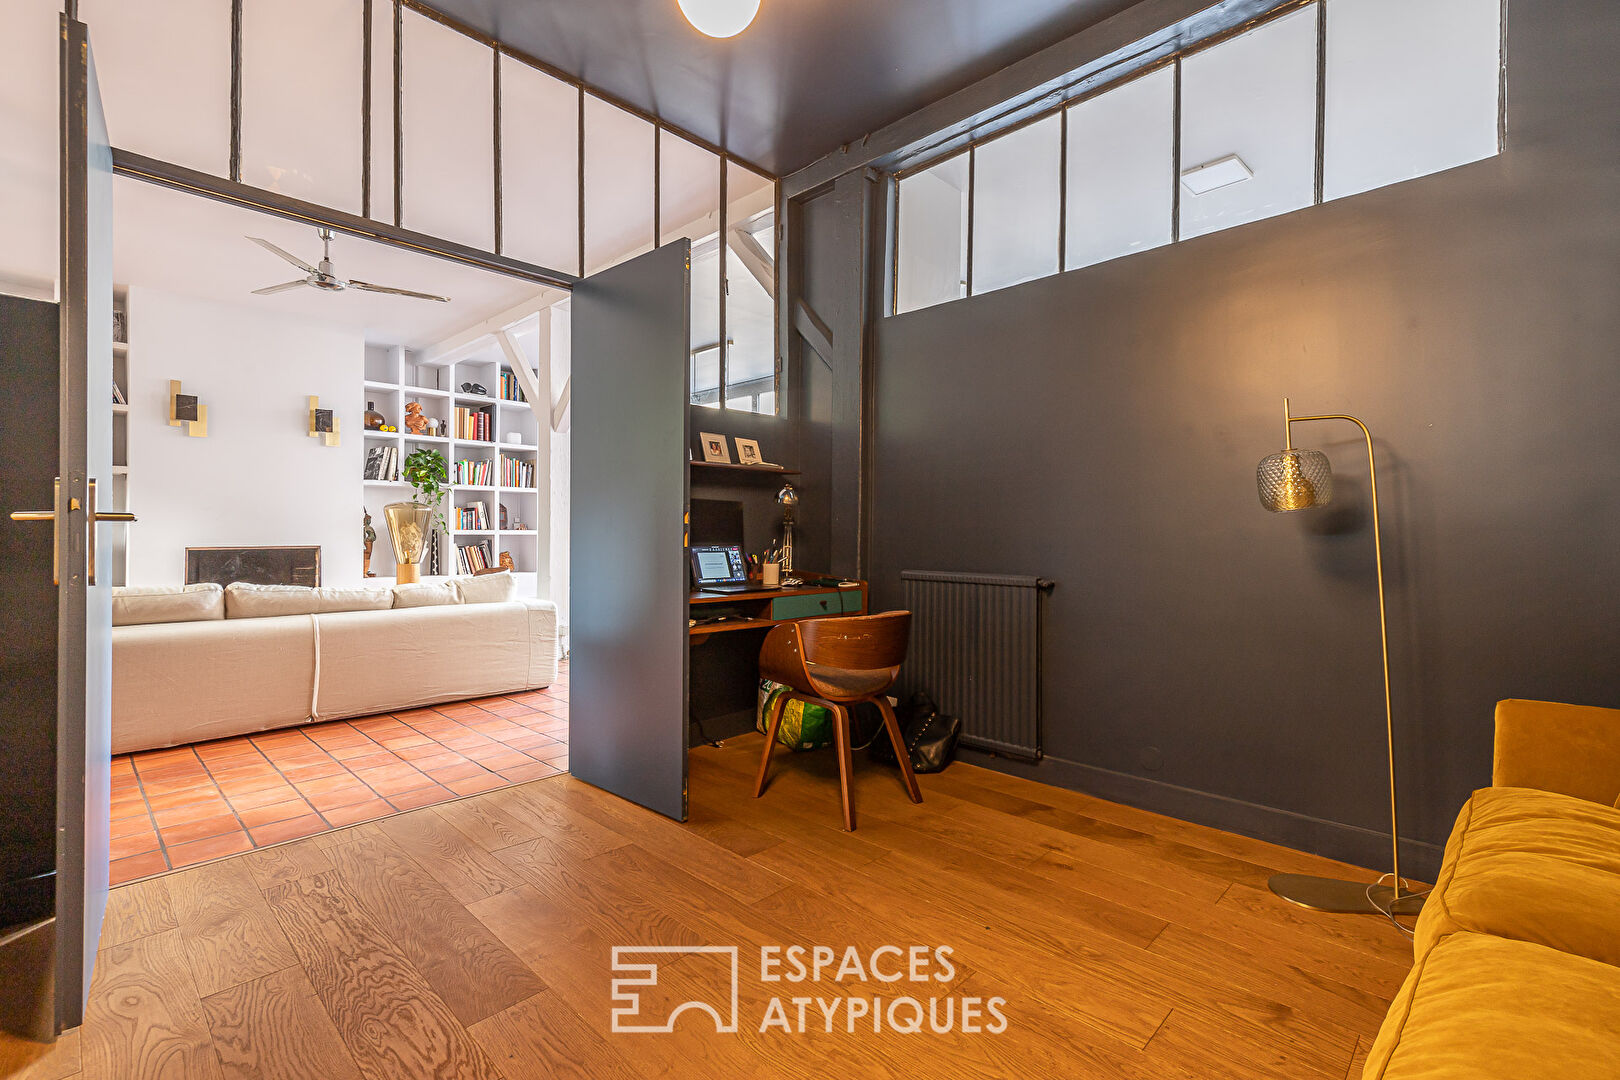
(976, 649)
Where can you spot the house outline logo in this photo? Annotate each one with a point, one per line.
(628, 1000)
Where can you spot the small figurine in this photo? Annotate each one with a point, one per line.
(370, 536)
(506, 561)
(415, 422)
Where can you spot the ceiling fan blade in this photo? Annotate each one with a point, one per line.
(283, 287)
(368, 287)
(295, 260)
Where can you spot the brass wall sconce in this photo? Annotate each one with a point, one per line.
(1299, 480)
(322, 423)
(185, 409)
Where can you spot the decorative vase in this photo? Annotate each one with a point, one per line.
(374, 419)
(408, 528)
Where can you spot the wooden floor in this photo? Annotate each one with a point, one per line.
(473, 939)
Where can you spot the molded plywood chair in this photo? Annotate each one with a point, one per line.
(837, 663)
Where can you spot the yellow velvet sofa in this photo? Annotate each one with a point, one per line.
(1517, 971)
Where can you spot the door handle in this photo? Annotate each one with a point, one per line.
(92, 519)
(56, 526)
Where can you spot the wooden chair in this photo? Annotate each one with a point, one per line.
(837, 663)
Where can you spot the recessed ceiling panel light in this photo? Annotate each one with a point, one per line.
(1222, 172)
(720, 18)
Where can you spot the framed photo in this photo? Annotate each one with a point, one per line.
(715, 448)
(748, 452)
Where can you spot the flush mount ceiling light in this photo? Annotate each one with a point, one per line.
(720, 18)
(1222, 172)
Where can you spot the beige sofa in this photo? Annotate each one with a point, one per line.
(201, 662)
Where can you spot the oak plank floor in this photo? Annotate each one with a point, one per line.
(474, 939)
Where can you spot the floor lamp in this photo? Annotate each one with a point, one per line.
(1298, 480)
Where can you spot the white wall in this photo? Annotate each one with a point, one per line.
(257, 478)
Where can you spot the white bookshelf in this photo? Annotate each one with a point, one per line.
(393, 379)
(118, 539)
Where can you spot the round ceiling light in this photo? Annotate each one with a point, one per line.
(720, 18)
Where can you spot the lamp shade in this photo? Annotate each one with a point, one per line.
(1294, 480)
(720, 18)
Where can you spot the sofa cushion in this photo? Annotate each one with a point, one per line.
(247, 601)
(426, 594)
(1478, 1007)
(1534, 866)
(134, 605)
(486, 588)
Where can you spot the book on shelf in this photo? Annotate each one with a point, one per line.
(472, 517)
(510, 390)
(382, 463)
(473, 473)
(517, 473)
(476, 556)
(474, 425)
(118, 394)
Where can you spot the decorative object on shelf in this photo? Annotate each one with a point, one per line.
(1299, 480)
(506, 561)
(748, 452)
(503, 516)
(409, 523)
(120, 327)
(374, 419)
(415, 422)
(515, 438)
(474, 388)
(433, 567)
(715, 448)
(518, 526)
(185, 409)
(322, 423)
(433, 426)
(788, 499)
(369, 535)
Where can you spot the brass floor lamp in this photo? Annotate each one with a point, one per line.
(1298, 480)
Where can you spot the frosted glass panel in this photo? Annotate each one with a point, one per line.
(750, 290)
(932, 236)
(1121, 170)
(689, 206)
(539, 167)
(382, 112)
(1015, 206)
(1412, 88)
(618, 185)
(449, 120)
(301, 135)
(1253, 96)
(165, 73)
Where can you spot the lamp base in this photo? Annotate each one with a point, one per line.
(1344, 897)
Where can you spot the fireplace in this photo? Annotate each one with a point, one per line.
(256, 565)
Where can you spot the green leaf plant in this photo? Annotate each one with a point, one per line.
(427, 472)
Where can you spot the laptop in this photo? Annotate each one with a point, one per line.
(720, 568)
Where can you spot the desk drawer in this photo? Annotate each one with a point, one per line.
(803, 607)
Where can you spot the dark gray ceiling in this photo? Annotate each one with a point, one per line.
(805, 78)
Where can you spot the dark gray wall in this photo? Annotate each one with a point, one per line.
(1102, 427)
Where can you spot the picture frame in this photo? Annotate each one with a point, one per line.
(748, 452)
(716, 450)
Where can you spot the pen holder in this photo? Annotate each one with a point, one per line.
(771, 575)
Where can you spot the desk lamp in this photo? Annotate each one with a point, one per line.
(1298, 480)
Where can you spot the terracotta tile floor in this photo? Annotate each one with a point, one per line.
(188, 804)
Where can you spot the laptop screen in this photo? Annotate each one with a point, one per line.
(719, 565)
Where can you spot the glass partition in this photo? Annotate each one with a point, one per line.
(689, 206)
(1121, 170)
(1016, 206)
(931, 262)
(749, 348)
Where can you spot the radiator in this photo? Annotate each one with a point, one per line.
(976, 650)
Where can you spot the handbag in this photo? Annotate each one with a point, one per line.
(930, 736)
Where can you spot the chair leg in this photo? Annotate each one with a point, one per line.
(846, 764)
(773, 722)
(892, 725)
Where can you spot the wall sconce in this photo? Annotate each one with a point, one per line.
(185, 409)
(322, 424)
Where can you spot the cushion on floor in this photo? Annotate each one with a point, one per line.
(1478, 1007)
(1533, 866)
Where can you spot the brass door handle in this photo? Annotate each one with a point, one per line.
(56, 526)
(92, 519)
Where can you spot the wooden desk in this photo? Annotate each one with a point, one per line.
(723, 675)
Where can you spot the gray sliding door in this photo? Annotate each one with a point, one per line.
(628, 581)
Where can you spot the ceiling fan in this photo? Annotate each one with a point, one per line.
(321, 277)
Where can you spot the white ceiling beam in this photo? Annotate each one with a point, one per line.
(482, 333)
(755, 258)
(525, 374)
(562, 416)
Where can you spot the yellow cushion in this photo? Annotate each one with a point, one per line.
(1533, 866)
(1485, 1008)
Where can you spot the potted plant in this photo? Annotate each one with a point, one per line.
(410, 523)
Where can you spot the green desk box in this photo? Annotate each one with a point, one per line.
(827, 603)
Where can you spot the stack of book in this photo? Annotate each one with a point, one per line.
(474, 425)
(510, 390)
(516, 473)
(382, 463)
(477, 556)
(476, 473)
(471, 517)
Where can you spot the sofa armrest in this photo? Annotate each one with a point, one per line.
(542, 641)
(1568, 749)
